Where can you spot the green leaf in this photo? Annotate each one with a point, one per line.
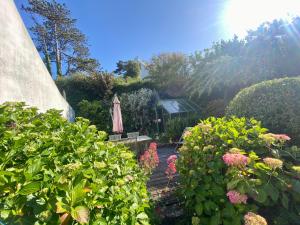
(296, 186)
(215, 219)
(142, 216)
(30, 188)
(228, 211)
(81, 214)
(232, 184)
(261, 166)
(78, 193)
(61, 207)
(261, 196)
(199, 209)
(272, 191)
(285, 201)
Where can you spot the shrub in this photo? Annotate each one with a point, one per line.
(97, 112)
(214, 108)
(138, 110)
(176, 125)
(79, 87)
(56, 172)
(229, 167)
(276, 103)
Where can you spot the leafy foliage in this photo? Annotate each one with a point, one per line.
(271, 51)
(56, 172)
(97, 112)
(169, 72)
(130, 68)
(97, 86)
(58, 39)
(276, 103)
(175, 126)
(226, 170)
(138, 109)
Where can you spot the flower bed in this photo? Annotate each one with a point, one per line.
(230, 170)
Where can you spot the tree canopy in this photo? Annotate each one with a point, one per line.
(130, 68)
(58, 39)
(271, 51)
(169, 72)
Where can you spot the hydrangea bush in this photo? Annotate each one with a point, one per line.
(231, 173)
(56, 172)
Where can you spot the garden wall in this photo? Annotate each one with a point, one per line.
(23, 75)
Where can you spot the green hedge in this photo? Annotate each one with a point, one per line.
(80, 87)
(276, 103)
(56, 172)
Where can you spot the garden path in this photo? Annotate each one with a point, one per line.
(162, 191)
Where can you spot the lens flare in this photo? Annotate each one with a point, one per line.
(239, 16)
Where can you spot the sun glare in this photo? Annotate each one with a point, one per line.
(242, 15)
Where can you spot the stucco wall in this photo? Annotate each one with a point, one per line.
(23, 75)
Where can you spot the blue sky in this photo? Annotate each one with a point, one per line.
(125, 29)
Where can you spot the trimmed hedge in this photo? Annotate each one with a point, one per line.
(276, 103)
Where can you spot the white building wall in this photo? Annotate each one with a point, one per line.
(23, 75)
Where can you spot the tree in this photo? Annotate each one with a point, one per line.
(170, 72)
(58, 39)
(271, 51)
(43, 40)
(130, 68)
(138, 109)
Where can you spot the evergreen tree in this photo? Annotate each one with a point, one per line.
(58, 39)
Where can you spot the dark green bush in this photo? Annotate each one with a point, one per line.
(56, 172)
(78, 87)
(215, 108)
(131, 85)
(175, 126)
(230, 166)
(97, 112)
(276, 103)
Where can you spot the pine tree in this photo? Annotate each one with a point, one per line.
(58, 39)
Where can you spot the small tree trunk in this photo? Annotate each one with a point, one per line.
(57, 54)
(47, 57)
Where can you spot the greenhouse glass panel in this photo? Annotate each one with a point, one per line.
(173, 106)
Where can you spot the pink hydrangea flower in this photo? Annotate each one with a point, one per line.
(253, 219)
(236, 197)
(153, 145)
(281, 137)
(235, 159)
(171, 158)
(171, 170)
(273, 163)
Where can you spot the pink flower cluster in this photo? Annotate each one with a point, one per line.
(149, 159)
(187, 133)
(171, 169)
(171, 158)
(273, 163)
(236, 197)
(281, 137)
(235, 159)
(253, 219)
